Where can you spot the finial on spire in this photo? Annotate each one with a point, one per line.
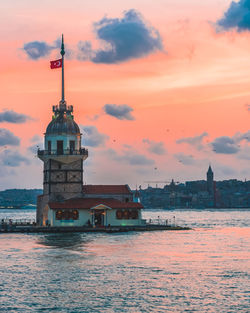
(62, 47)
(210, 169)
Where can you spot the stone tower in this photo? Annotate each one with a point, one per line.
(62, 156)
(210, 181)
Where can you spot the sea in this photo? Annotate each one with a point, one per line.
(206, 269)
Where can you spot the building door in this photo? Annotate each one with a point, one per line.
(49, 147)
(59, 147)
(72, 146)
(99, 218)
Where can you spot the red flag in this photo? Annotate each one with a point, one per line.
(56, 64)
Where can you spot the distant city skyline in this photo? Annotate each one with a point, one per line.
(160, 91)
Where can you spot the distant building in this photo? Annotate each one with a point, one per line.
(210, 181)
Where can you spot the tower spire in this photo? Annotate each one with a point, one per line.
(63, 107)
(62, 54)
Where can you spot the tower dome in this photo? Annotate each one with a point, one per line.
(63, 135)
(63, 124)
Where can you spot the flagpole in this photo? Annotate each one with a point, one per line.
(62, 54)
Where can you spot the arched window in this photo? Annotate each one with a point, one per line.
(119, 214)
(127, 214)
(67, 215)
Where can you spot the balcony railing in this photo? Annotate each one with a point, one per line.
(62, 108)
(81, 151)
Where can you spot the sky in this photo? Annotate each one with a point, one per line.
(160, 89)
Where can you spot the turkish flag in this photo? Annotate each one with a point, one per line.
(56, 64)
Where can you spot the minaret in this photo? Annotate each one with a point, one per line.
(63, 156)
(210, 181)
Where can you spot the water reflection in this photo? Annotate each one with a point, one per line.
(64, 240)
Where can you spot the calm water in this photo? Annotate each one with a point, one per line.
(202, 270)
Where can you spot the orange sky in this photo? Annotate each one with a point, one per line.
(198, 83)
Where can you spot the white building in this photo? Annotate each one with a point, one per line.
(110, 206)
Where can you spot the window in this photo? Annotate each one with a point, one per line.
(67, 215)
(59, 147)
(49, 146)
(72, 146)
(119, 214)
(127, 214)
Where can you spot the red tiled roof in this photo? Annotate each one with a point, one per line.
(87, 203)
(106, 189)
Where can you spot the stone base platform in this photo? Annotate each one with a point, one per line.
(112, 229)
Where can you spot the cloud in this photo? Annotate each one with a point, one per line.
(13, 158)
(10, 116)
(86, 51)
(185, 159)
(122, 111)
(155, 147)
(239, 137)
(37, 49)
(37, 142)
(231, 145)
(123, 39)
(134, 158)
(195, 141)
(244, 154)
(225, 145)
(8, 138)
(237, 16)
(131, 157)
(92, 137)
